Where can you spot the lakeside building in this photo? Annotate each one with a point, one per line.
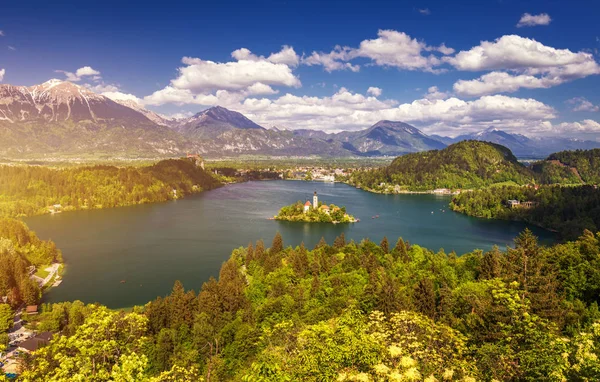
(34, 343)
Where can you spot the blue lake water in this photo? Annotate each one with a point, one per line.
(151, 246)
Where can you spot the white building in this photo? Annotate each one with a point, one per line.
(306, 206)
(315, 201)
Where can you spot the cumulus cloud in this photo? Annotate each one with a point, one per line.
(85, 71)
(259, 88)
(2, 73)
(499, 82)
(530, 63)
(202, 76)
(587, 127)
(333, 60)
(390, 48)
(118, 96)
(528, 20)
(515, 52)
(287, 56)
(374, 91)
(346, 110)
(102, 87)
(434, 93)
(582, 104)
(399, 50)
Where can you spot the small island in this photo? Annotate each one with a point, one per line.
(315, 212)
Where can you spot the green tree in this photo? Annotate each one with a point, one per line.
(385, 245)
(6, 318)
(277, 244)
(339, 242)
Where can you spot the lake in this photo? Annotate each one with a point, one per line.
(150, 246)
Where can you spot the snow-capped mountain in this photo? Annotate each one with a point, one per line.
(58, 101)
(59, 117)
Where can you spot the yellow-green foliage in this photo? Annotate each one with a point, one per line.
(30, 190)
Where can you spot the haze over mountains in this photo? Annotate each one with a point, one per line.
(61, 118)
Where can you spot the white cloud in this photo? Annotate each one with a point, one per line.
(534, 66)
(374, 91)
(515, 52)
(399, 50)
(118, 96)
(333, 60)
(202, 76)
(10, 47)
(2, 73)
(2, 33)
(351, 111)
(179, 115)
(582, 104)
(390, 48)
(424, 11)
(102, 87)
(569, 129)
(259, 88)
(85, 71)
(286, 56)
(434, 93)
(176, 96)
(499, 82)
(528, 20)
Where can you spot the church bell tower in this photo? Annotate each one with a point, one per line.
(315, 201)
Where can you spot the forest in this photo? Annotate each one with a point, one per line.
(32, 190)
(348, 311)
(463, 165)
(567, 210)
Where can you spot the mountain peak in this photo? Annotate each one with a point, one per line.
(221, 115)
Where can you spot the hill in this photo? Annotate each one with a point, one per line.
(522, 146)
(463, 165)
(570, 167)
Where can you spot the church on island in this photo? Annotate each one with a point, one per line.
(314, 212)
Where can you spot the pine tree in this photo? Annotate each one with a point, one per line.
(277, 244)
(400, 251)
(259, 252)
(249, 253)
(339, 242)
(491, 264)
(424, 297)
(177, 305)
(321, 244)
(385, 245)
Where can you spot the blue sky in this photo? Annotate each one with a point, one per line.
(537, 78)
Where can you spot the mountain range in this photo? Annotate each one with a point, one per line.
(59, 118)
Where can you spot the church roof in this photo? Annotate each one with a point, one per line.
(307, 204)
(324, 207)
